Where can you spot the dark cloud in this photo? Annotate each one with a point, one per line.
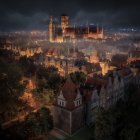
(34, 14)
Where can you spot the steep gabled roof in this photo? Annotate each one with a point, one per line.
(70, 92)
(97, 81)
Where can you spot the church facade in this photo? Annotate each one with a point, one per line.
(65, 32)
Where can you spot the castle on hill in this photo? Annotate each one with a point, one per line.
(65, 32)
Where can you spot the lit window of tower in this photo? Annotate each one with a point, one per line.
(64, 22)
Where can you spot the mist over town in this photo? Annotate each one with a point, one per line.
(69, 70)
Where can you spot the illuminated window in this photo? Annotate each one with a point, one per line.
(61, 103)
(78, 102)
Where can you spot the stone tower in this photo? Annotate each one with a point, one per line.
(102, 32)
(64, 22)
(51, 30)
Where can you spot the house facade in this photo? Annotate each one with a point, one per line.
(77, 106)
(68, 110)
(101, 92)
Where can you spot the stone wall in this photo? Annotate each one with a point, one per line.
(61, 118)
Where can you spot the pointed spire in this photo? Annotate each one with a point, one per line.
(51, 29)
(74, 25)
(51, 19)
(87, 23)
(102, 29)
(88, 29)
(97, 29)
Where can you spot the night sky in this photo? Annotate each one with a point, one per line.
(34, 14)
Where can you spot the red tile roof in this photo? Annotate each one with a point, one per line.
(69, 91)
(97, 81)
(125, 71)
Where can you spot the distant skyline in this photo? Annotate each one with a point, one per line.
(34, 14)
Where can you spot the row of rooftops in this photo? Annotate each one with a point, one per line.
(134, 53)
(79, 30)
(70, 90)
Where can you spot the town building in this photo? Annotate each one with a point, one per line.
(69, 109)
(133, 56)
(83, 101)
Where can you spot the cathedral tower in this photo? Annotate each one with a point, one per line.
(97, 29)
(102, 32)
(51, 30)
(64, 22)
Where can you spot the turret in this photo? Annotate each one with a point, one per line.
(97, 29)
(51, 30)
(102, 32)
(64, 22)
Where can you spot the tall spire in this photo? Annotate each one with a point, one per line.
(51, 19)
(51, 29)
(102, 31)
(97, 29)
(74, 25)
(88, 29)
(87, 23)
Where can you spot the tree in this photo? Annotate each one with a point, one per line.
(42, 83)
(54, 81)
(48, 78)
(80, 62)
(38, 123)
(44, 72)
(10, 89)
(78, 77)
(28, 66)
(6, 55)
(32, 126)
(122, 120)
(44, 97)
(14, 132)
(128, 132)
(48, 96)
(104, 125)
(45, 118)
